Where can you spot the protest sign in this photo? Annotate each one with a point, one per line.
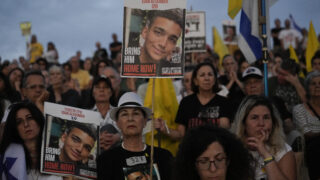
(229, 32)
(195, 40)
(153, 38)
(70, 141)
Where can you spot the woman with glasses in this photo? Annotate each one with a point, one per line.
(258, 125)
(208, 152)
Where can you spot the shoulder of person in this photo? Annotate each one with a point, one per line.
(189, 98)
(109, 154)
(163, 153)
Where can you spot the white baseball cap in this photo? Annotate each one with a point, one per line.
(251, 72)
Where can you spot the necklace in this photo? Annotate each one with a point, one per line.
(144, 147)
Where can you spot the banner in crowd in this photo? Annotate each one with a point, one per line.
(229, 32)
(153, 38)
(195, 40)
(70, 141)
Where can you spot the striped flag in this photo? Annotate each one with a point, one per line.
(13, 164)
(294, 24)
(249, 39)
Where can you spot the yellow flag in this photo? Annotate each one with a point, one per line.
(25, 28)
(234, 7)
(219, 47)
(165, 107)
(294, 56)
(312, 46)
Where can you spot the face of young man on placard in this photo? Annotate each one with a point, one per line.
(77, 145)
(160, 40)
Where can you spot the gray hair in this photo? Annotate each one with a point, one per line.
(308, 80)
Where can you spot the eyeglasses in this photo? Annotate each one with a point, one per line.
(204, 164)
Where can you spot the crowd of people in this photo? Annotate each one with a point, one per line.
(227, 127)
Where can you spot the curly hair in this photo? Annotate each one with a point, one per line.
(276, 139)
(197, 140)
(194, 87)
(12, 134)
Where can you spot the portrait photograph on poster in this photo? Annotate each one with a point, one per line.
(69, 146)
(229, 32)
(153, 44)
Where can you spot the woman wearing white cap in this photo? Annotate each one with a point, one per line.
(131, 117)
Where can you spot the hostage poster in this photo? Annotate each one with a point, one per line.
(195, 32)
(70, 141)
(153, 38)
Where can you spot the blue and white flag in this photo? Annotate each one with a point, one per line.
(294, 24)
(13, 163)
(249, 40)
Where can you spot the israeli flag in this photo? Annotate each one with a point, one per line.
(249, 39)
(13, 163)
(294, 24)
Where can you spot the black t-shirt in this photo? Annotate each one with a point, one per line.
(114, 53)
(192, 113)
(70, 97)
(276, 40)
(115, 163)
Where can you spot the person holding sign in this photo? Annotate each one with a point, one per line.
(131, 117)
(20, 150)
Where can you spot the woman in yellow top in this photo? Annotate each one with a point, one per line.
(35, 49)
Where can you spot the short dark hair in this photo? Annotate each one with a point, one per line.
(97, 80)
(197, 140)
(30, 73)
(88, 129)
(215, 87)
(290, 65)
(316, 56)
(175, 15)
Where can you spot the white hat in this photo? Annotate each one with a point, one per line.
(251, 72)
(129, 99)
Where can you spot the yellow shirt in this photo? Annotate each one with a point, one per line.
(36, 51)
(83, 77)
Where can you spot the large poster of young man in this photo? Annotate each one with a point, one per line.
(153, 43)
(70, 141)
(195, 32)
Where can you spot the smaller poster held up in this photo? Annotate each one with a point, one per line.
(153, 38)
(229, 32)
(70, 141)
(195, 32)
